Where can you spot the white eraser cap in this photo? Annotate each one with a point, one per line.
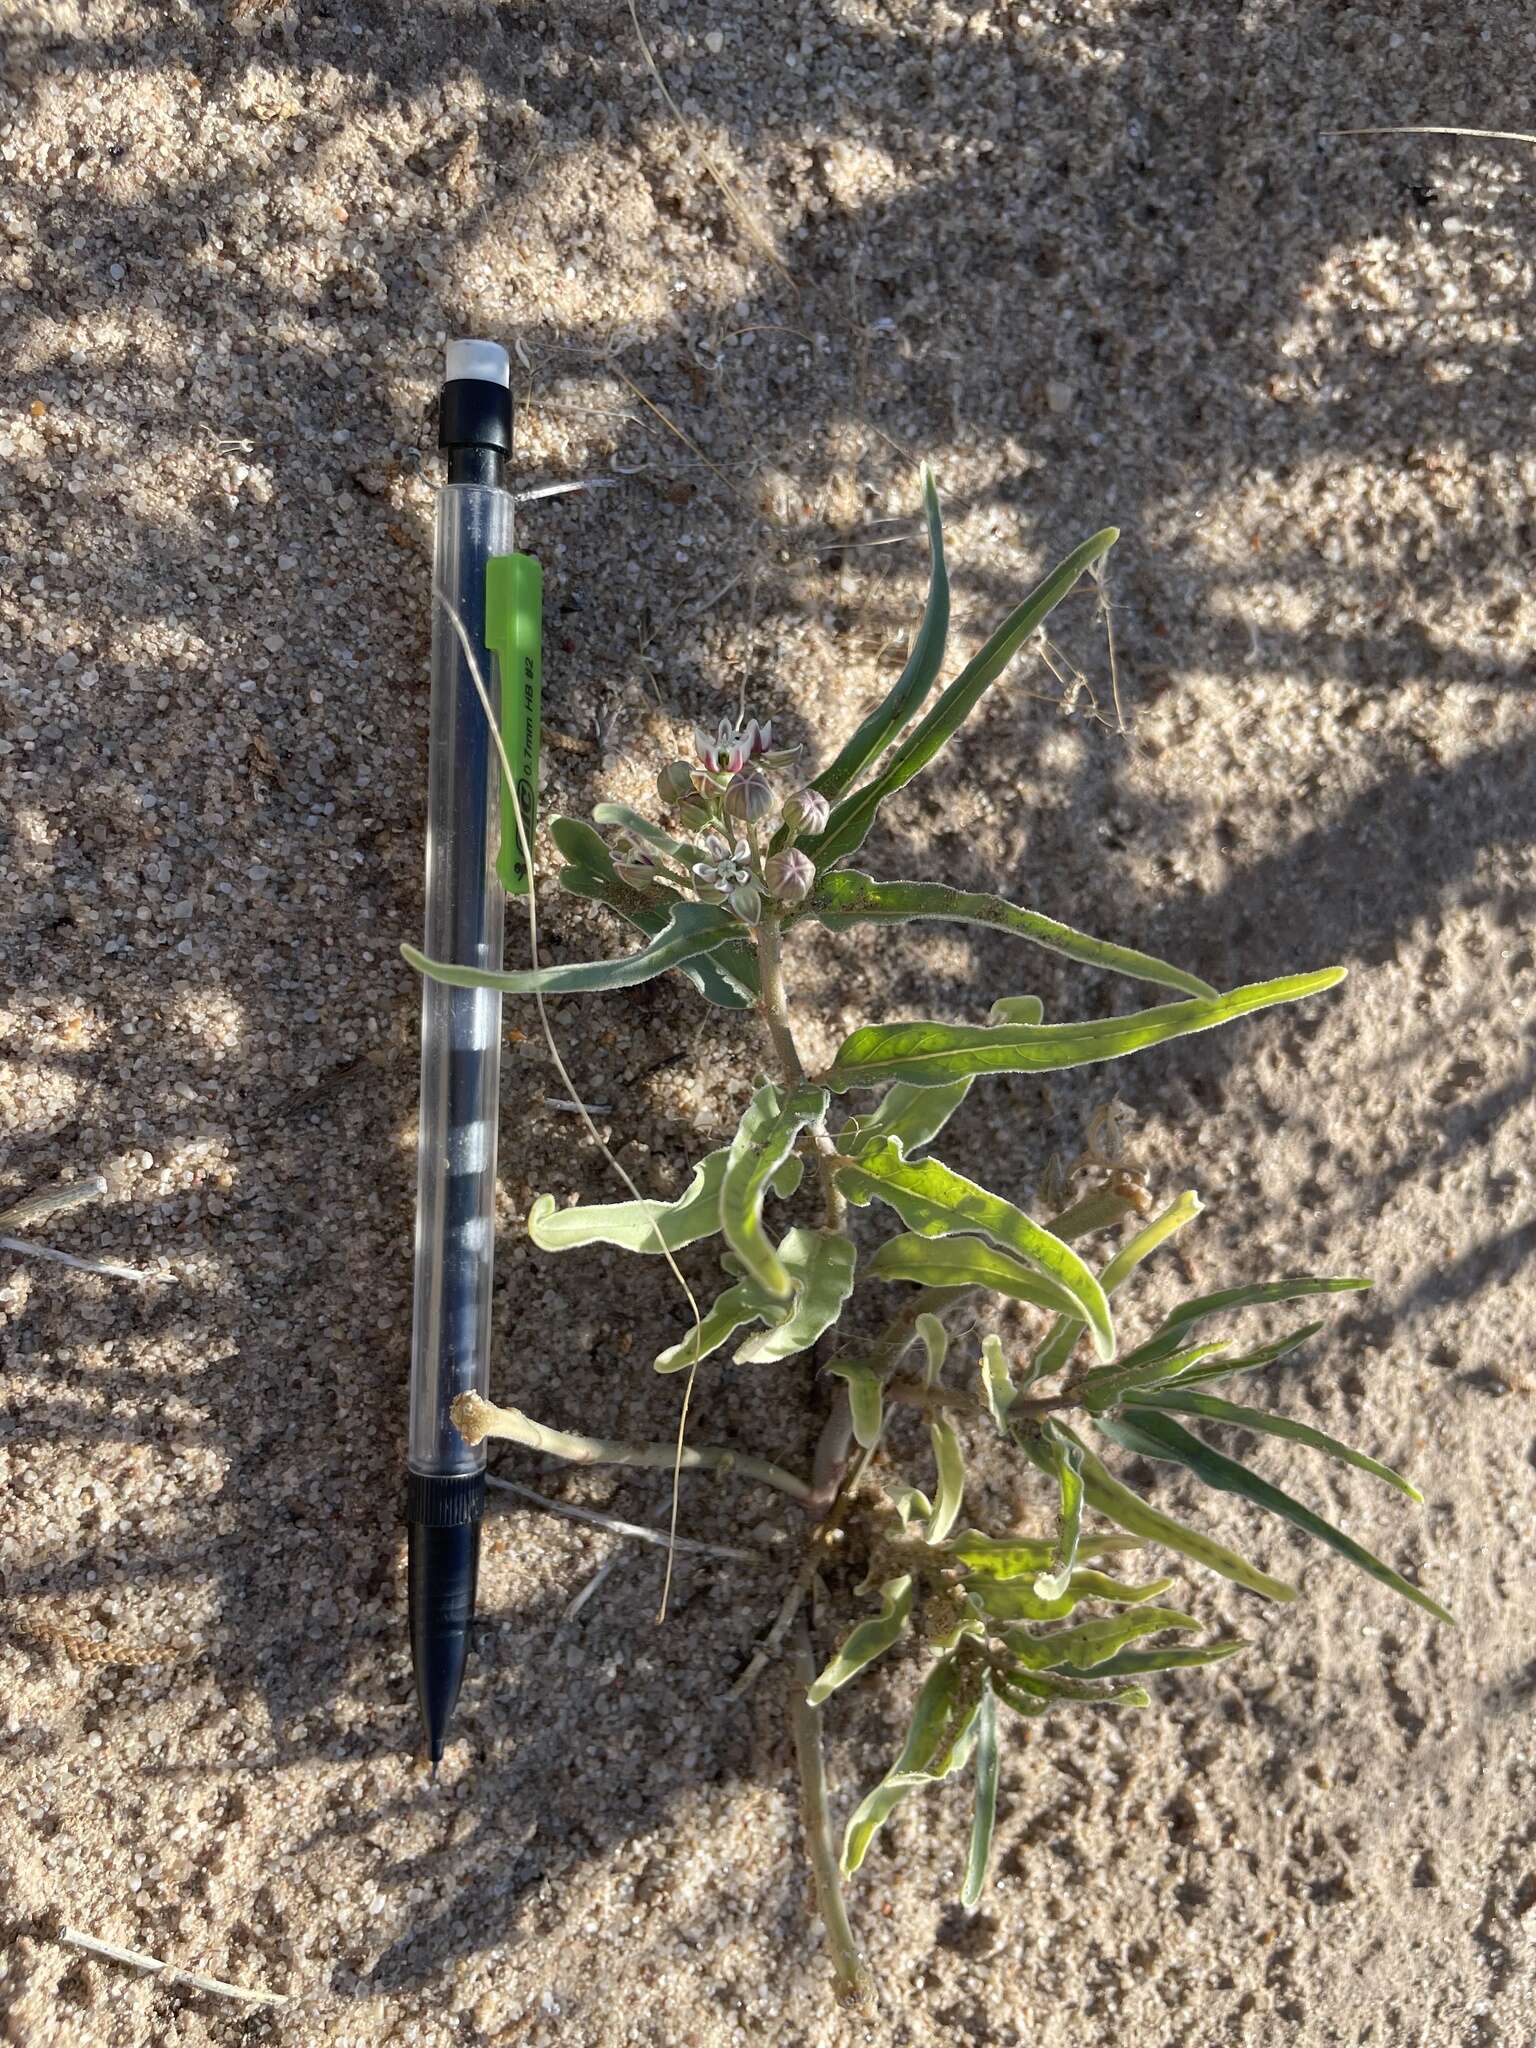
(487, 360)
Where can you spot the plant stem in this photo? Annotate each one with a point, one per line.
(775, 1009)
(837, 1432)
(477, 1419)
(848, 1970)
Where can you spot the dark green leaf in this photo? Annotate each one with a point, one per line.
(1187, 1402)
(1188, 1313)
(1067, 1456)
(691, 929)
(851, 819)
(846, 898)
(646, 832)
(936, 1202)
(916, 679)
(1131, 1663)
(1159, 1436)
(930, 1054)
(1090, 1642)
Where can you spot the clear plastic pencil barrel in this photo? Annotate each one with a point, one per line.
(460, 1027)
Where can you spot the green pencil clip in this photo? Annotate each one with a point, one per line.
(514, 614)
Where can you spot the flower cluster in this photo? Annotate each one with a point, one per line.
(739, 847)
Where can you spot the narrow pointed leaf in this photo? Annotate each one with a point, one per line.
(997, 1388)
(966, 1262)
(935, 1341)
(1131, 1663)
(939, 1723)
(930, 1054)
(865, 1405)
(1185, 1401)
(886, 722)
(1118, 1385)
(757, 1153)
(912, 1116)
(1068, 1459)
(691, 929)
(1250, 1361)
(950, 1492)
(1012, 1557)
(984, 1819)
(1159, 1436)
(871, 1639)
(846, 897)
(729, 1312)
(849, 824)
(1188, 1313)
(936, 1202)
(1091, 1642)
(648, 833)
(820, 1267)
(1019, 1600)
(1119, 1504)
(1032, 1692)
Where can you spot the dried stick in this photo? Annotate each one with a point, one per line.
(71, 1937)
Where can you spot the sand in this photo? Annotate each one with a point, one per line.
(1093, 262)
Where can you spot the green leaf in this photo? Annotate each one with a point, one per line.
(937, 1743)
(1130, 1663)
(1159, 1436)
(865, 1405)
(912, 1116)
(1188, 1313)
(729, 1312)
(635, 1226)
(1063, 1337)
(930, 1054)
(936, 1202)
(911, 1505)
(1119, 1504)
(966, 1262)
(950, 1492)
(846, 897)
(1068, 1459)
(757, 1153)
(984, 1819)
(935, 1341)
(1012, 1557)
(1091, 1642)
(646, 832)
(691, 929)
(849, 824)
(1106, 1385)
(1187, 1402)
(1025, 1691)
(997, 1388)
(726, 976)
(820, 1267)
(1250, 1361)
(915, 680)
(1016, 1600)
(871, 1639)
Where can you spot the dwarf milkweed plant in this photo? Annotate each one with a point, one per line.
(1000, 1623)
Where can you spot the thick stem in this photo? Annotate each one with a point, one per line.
(852, 1978)
(775, 1008)
(477, 1419)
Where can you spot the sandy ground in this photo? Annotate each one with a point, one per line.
(1093, 262)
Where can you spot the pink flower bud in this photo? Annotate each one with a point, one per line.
(807, 811)
(789, 877)
(674, 783)
(747, 902)
(748, 798)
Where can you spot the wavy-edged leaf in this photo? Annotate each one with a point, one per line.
(646, 832)
(1012, 1557)
(729, 1312)
(1119, 1504)
(1017, 1599)
(1178, 1657)
(1189, 1313)
(966, 1262)
(756, 1155)
(1185, 1401)
(1091, 1642)
(997, 1388)
(849, 824)
(934, 1201)
(930, 1054)
(1160, 1436)
(820, 1267)
(949, 1495)
(1068, 1459)
(901, 704)
(937, 1743)
(912, 1116)
(984, 1817)
(871, 1639)
(865, 1405)
(691, 929)
(644, 1226)
(1034, 1692)
(846, 898)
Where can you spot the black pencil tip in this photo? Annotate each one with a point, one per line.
(442, 1565)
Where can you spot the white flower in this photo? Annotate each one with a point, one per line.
(727, 866)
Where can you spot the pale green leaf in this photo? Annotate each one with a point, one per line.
(849, 824)
(1013, 1557)
(643, 1226)
(846, 898)
(1034, 1692)
(1188, 1313)
(912, 1116)
(820, 1267)
(865, 1405)
(936, 1202)
(997, 1388)
(757, 1153)
(1017, 1599)
(935, 1745)
(1159, 1436)
(1015, 1010)
(915, 681)
(966, 1262)
(871, 1639)
(1068, 1459)
(985, 1816)
(935, 1341)
(729, 1312)
(648, 833)
(691, 929)
(1090, 1642)
(950, 1492)
(1185, 1401)
(911, 1505)
(931, 1054)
